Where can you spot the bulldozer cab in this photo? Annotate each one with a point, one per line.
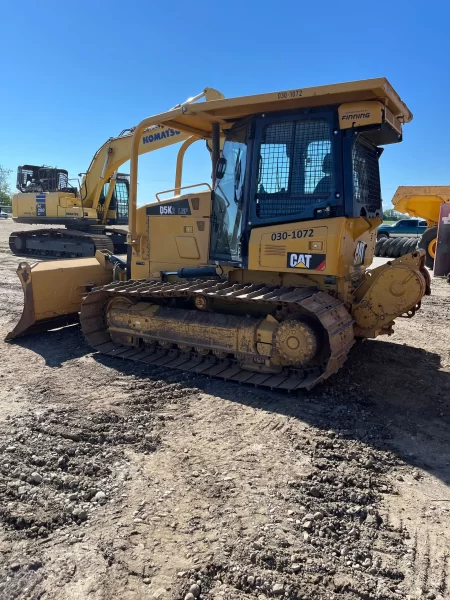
(297, 166)
(283, 159)
(35, 179)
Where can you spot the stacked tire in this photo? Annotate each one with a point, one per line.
(395, 247)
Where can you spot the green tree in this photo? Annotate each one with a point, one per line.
(5, 190)
(392, 215)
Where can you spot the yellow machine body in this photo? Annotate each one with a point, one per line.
(167, 242)
(333, 257)
(288, 317)
(60, 207)
(357, 114)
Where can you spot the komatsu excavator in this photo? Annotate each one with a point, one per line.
(46, 197)
(262, 277)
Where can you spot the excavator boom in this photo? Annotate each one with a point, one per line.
(86, 216)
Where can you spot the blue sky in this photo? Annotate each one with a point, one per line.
(75, 73)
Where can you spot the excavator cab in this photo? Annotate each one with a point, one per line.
(35, 179)
(119, 199)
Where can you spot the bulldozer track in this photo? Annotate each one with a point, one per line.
(330, 311)
(100, 242)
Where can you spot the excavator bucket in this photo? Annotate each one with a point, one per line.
(53, 291)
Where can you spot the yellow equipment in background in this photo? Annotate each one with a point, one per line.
(47, 198)
(262, 277)
(423, 202)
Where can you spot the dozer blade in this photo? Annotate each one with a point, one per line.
(53, 291)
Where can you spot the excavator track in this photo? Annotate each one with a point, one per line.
(58, 243)
(282, 301)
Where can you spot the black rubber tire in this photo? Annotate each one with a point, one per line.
(386, 251)
(390, 248)
(378, 246)
(395, 248)
(425, 240)
(382, 236)
(384, 247)
(391, 251)
(412, 245)
(404, 246)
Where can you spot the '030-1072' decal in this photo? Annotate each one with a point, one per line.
(315, 262)
(295, 234)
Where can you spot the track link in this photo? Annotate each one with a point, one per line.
(48, 237)
(331, 312)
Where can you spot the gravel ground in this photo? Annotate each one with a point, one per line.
(125, 481)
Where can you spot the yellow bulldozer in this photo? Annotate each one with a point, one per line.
(260, 276)
(89, 212)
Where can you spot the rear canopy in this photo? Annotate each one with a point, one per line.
(200, 118)
(197, 118)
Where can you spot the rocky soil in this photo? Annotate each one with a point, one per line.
(126, 481)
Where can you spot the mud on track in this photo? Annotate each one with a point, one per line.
(120, 480)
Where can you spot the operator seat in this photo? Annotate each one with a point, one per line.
(324, 185)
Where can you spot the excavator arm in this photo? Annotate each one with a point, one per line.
(116, 151)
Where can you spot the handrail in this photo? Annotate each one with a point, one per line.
(184, 187)
(180, 160)
(148, 122)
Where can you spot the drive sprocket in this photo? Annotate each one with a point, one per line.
(295, 342)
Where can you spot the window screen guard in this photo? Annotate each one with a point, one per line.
(121, 193)
(295, 168)
(366, 175)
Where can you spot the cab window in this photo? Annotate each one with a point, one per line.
(295, 167)
(229, 199)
